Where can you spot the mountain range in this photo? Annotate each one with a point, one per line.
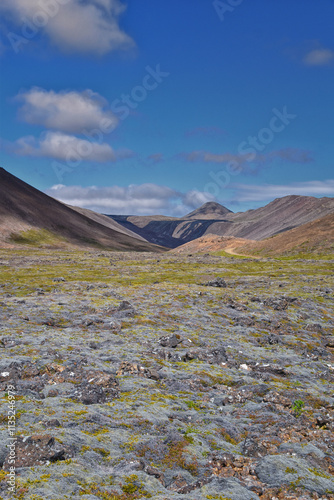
(278, 216)
(288, 222)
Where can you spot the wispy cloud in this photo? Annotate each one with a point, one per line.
(293, 155)
(155, 158)
(144, 199)
(90, 27)
(207, 157)
(60, 146)
(264, 192)
(194, 199)
(319, 57)
(66, 111)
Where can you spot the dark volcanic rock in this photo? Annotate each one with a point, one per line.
(95, 387)
(217, 282)
(36, 450)
(172, 341)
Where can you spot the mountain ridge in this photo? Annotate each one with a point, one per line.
(22, 207)
(279, 215)
(315, 237)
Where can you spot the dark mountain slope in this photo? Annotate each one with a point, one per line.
(23, 207)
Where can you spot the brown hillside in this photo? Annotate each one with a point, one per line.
(210, 243)
(314, 237)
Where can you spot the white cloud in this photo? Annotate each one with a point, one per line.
(263, 192)
(153, 199)
(73, 25)
(64, 147)
(144, 199)
(196, 198)
(319, 57)
(69, 111)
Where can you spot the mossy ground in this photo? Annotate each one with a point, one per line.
(168, 295)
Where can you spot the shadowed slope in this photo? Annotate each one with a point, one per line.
(23, 207)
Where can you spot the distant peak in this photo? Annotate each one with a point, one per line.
(210, 210)
(212, 205)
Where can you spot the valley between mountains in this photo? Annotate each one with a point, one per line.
(139, 371)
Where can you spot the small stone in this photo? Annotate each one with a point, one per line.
(217, 282)
(172, 341)
(36, 450)
(52, 423)
(53, 393)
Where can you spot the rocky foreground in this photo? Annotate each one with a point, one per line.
(169, 376)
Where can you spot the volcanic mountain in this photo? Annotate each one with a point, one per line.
(209, 210)
(24, 208)
(278, 216)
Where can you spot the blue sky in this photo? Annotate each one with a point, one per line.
(157, 107)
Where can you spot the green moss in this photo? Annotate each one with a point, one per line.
(227, 437)
(290, 470)
(320, 473)
(102, 451)
(175, 456)
(297, 407)
(135, 487)
(218, 497)
(99, 431)
(296, 484)
(36, 237)
(131, 485)
(192, 405)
